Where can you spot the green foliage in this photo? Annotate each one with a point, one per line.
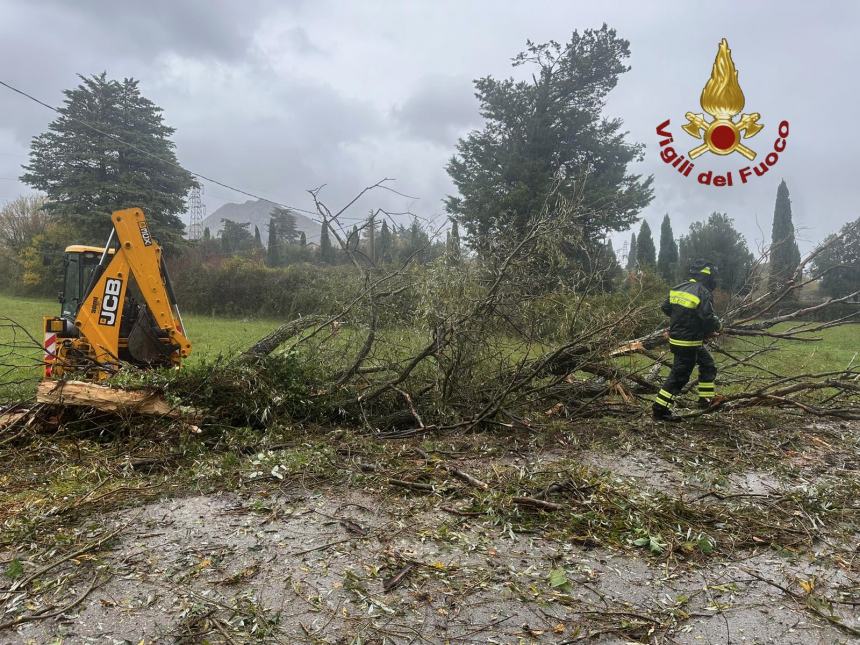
(667, 261)
(21, 220)
(326, 250)
(544, 139)
(717, 240)
(632, 259)
(14, 569)
(122, 158)
(454, 252)
(784, 254)
(646, 254)
(286, 225)
(236, 237)
(235, 391)
(42, 261)
(840, 262)
(273, 247)
(414, 242)
(558, 580)
(385, 245)
(244, 287)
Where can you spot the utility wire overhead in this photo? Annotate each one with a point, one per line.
(153, 156)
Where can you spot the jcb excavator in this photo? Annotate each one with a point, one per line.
(118, 306)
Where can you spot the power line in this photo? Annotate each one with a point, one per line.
(149, 154)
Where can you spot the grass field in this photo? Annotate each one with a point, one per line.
(20, 364)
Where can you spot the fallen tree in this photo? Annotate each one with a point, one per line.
(493, 340)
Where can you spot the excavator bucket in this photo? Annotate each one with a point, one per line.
(144, 344)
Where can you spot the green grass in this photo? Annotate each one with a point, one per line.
(20, 366)
(838, 349)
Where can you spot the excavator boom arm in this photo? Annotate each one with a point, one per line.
(138, 258)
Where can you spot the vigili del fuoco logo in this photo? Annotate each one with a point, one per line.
(723, 134)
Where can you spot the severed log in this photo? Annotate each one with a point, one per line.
(272, 341)
(8, 419)
(106, 399)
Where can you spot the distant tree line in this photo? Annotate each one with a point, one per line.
(372, 241)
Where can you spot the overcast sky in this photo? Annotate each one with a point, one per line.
(279, 97)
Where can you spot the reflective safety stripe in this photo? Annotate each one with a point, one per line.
(664, 398)
(684, 299)
(685, 343)
(706, 271)
(706, 390)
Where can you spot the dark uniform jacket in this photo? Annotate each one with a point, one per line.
(691, 310)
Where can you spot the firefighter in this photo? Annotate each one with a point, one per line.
(690, 308)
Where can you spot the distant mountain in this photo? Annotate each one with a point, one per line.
(257, 213)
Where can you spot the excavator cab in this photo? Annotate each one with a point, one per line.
(117, 306)
(79, 263)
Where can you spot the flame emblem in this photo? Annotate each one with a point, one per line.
(723, 99)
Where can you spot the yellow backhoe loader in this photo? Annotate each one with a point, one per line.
(117, 306)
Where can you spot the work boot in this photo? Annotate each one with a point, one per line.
(662, 413)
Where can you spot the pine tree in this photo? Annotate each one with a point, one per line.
(667, 261)
(839, 262)
(326, 251)
(286, 225)
(784, 254)
(87, 175)
(631, 253)
(717, 240)
(540, 135)
(646, 254)
(384, 250)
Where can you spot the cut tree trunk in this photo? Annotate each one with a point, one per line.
(100, 397)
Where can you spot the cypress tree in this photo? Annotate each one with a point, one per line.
(784, 254)
(207, 234)
(303, 240)
(325, 246)
(384, 250)
(454, 242)
(258, 242)
(273, 252)
(646, 254)
(631, 254)
(667, 261)
(353, 240)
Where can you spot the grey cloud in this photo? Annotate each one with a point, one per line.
(301, 42)
(278, 97)
(439, 110)
(186, 27)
